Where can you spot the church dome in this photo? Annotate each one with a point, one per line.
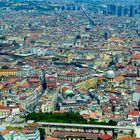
(110, 74)
(78, 37)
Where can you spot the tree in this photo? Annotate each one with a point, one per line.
(42, 133)
(95, 122)
(111, 122)
(33, 41)
(132, 133)
(4, 67)
(3, 38)
(66, 117)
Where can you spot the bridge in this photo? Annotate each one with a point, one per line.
(114, 130)
(45, 124)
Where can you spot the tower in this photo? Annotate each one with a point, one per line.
(138, 72)
(43, 80)
(106, 35)
(25, 41)
(139, 105)
(113, 108)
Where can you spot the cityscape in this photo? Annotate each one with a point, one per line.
(69, 70)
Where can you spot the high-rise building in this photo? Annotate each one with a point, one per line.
(119, 11)
(125, 11)
(111, 9)
(132, 11)
(105, 12)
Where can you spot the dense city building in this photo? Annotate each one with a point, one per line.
(69, 69)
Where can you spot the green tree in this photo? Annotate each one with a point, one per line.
(67, 117)
(95, 122)
(111, 122)
(4, 67)
(3, 38)
(42, 133)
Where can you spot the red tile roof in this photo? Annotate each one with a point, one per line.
(7, 107)
(134, 120)
(34, 80)
(27, 131)
(137, 90)
(135, 113)
(50, 138)
(88, 135)
(4, 132)
(105, 137)
(135, 56)
(24, 85)
(128, 138)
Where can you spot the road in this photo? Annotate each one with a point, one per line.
(91, 20)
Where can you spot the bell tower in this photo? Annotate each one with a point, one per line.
(43, 80)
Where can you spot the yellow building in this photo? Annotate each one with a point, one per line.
(66, 56)
(8, 72)
(90, 83)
